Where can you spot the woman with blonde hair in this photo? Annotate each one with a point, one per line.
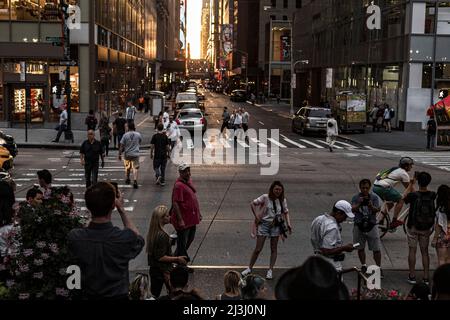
(232, 280)
(159, 251)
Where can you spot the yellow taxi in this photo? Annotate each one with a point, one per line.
(6, 159)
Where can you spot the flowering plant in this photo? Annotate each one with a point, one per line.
(382, 294)
(37, 248)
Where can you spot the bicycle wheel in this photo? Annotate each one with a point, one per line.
(383, 222)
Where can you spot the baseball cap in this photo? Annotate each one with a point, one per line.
(345, 207)
(183, 166)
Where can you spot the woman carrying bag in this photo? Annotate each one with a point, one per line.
(271, 221)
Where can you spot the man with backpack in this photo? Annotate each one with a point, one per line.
(421, 218)
(431, 133)
(385, 184)
(91, 121)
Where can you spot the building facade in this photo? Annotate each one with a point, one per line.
(113, 57)
(205, 28)
(404, 64)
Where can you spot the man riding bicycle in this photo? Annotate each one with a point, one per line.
(384, 187)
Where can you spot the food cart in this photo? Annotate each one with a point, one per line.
(350, 111)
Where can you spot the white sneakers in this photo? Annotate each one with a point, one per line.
(246, 272)
(269, 275)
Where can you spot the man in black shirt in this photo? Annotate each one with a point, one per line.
(103, 251)
(91, 150)
(119, 124)
(160, 150)
(431, 133)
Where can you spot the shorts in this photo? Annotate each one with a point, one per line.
(443, 241)
(267, 229)
(131, 163)
(372, 238)
(387, 194)
(418, 237)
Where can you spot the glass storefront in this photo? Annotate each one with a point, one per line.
(36, 100)
(30, 10)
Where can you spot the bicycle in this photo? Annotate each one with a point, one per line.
(384, 220)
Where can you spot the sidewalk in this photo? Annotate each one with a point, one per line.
(41, 138)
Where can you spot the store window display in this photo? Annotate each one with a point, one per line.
(27, 10)
(36, 104)
(4, 9)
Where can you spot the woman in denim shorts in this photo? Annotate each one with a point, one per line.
(441, 239)
(269, 209)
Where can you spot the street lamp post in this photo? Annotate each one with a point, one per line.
(293, 76)
(67, 88)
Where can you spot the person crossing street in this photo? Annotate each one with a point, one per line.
(332, 131)
(159, 153)
(130, 146)
(91, 151)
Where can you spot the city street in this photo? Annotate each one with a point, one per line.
(314, 180)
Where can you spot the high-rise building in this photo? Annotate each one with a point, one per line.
(113, 56)
(205, 28)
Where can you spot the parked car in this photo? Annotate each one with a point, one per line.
(239, 96)
(7, 141)
(311, 119)
(6, 159)
(191, 120)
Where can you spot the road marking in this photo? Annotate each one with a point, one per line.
(293, 142)
(347, 145)
(243, 144)
(126, 186)
(262, 145)
(312, 143)
(225, 143)
(208, 145)
(262, 123)
(190, 144)
(324, 142)
(275, 142)
(140, 124)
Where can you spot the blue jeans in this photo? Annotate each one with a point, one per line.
(159, 165)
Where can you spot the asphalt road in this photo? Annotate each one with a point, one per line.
(314, 180)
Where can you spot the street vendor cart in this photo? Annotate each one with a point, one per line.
(350, 111)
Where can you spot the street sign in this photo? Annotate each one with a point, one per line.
(68, 63)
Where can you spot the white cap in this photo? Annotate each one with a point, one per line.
(183, 166)
(345, 207)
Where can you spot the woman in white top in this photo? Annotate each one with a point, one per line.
(441, 239)
(272, 221)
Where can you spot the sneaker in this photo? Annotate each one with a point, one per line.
(162, 183)
(426, 281)
(246, 272)
(269, 275)
(412, 280)
(135, 185)
(158, 180)
(128, 181)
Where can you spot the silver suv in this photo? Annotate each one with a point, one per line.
(311, 119)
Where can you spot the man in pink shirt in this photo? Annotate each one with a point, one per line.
(185, 215)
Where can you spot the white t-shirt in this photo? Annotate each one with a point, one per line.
(245, 117)
(63, 118)
(326, 233)
(173, 132)
(332, 131)
(270, 212)
(394, 178)
(387, 114)
(238, 119)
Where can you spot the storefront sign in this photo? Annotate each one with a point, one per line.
(73, 22)
(285, 48)
(374, 19)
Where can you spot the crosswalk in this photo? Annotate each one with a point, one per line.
(439, 160)
(284, 142)
(71, 174)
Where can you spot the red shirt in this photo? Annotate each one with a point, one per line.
(184, 194)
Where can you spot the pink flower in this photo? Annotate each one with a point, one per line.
(65, 199)
(24, 296)
(54, 248)
(28, 252)
(38, 262)
(24, 268)
(39, 295)
(10, 283)
(45, 256)
(41, 244)
(57, 212)
(393, 294)
(62, 292)
(38, 275)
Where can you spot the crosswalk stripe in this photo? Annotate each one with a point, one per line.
(262, 145)
(347, 145)
(311, 143)
(84, 186)
(326, 143)
(208, 144)
(275, 142)
(243, 144)
(293, 142)
(190, 144)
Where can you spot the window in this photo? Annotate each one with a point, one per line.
(298, 4)
(285, 18)
(30, 10)
(272, 17)
(285, 4)
(274, 3)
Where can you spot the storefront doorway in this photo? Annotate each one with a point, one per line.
(18, 96)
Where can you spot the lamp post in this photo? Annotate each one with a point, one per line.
(294, 84)
(67, 88)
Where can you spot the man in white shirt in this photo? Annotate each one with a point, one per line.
(237, 125)
(63, 118)
(332, 131)
(130, 113)
(173, 132)
(326, 234)
(166, 118)
(385, 183)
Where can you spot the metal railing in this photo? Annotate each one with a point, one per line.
(361, 277)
